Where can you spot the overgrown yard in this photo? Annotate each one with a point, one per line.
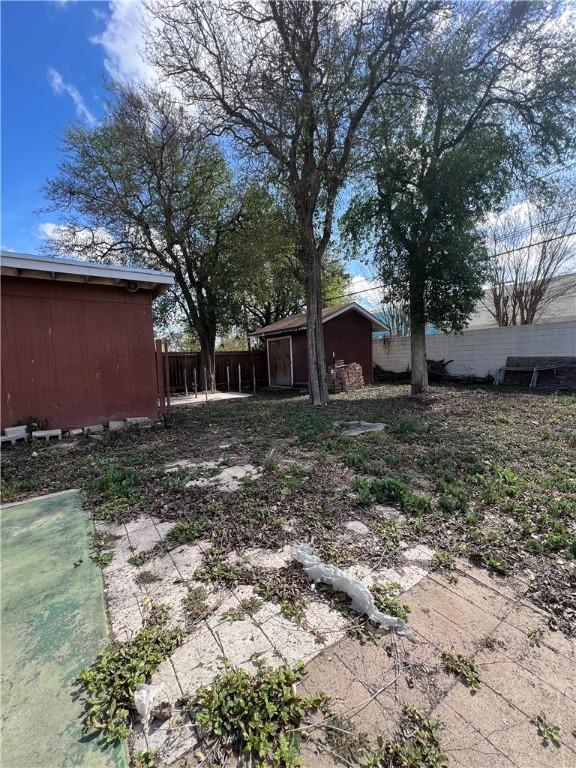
(485, 474)
(473, 477)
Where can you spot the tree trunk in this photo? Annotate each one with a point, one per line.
(207, 338)
(315, 335)
(418, 362)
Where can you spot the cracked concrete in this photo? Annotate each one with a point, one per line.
(485, 618)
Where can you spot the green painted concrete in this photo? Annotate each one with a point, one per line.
(53, 625)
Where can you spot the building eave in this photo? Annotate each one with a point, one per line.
(71, 270)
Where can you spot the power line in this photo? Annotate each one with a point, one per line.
(502, 253)
(531, 245)
(533, 227)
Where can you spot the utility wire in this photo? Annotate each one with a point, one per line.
(502, 253)
(533, 227)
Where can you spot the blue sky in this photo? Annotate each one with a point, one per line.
(51, 74)
(56, 56)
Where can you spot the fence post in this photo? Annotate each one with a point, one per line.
(228, 377)
(160, 379)
(166, 376)
(254, 378)
(205, 385)
(239, 378)
(185, 381)
(195, 381)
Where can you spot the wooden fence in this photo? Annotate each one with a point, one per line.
(182, 366)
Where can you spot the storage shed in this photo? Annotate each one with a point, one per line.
(77, 341)
(348, 332)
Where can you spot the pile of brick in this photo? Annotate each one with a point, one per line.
(345, 378)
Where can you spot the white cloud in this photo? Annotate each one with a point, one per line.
(123, 42)
(84, 244)
(48, 230)
(364, 290)
(60, 86)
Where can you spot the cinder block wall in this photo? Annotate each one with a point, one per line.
(480, 353)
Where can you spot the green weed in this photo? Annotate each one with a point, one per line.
(256, 715)
(185, 532)
(417, 745)
(443, 561)
(390, 532)
(112, 480)
(462, 666)
(496, 563)
(408, 426)
(391, 490)
(248, 607)
(102, 548)
(217, 570)
(111, 680)
(195, 605)
(550, 733)
(386, 600)
(138, 559)
(148, 758)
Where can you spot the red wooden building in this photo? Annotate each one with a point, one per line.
(347, 336)
(77, 341)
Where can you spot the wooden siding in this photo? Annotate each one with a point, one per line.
(76, 354)
(347, 337)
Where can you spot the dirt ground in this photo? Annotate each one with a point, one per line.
(466, 500)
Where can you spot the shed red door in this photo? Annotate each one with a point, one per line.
(280, 362)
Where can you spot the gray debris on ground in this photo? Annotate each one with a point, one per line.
(229, 479)
(181, 464)
(357, 527)
(351, 428)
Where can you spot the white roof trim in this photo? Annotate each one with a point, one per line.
(376, 324)
(353, 305)
(35, 263)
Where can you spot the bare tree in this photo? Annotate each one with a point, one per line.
(533, 260)
(292, 80)
(395, 318)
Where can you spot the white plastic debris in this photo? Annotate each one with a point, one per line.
(362, 598)
(144, 696)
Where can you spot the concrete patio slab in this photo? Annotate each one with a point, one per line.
(207, 398)
(369, 683)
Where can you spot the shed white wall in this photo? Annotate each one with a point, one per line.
(481, 352)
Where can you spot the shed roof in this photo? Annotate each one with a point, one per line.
(74, 270)
(298, 322)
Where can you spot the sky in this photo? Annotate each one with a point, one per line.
(56, 57)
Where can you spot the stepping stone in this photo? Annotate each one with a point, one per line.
(94, 428)
(359, 427)
(116, 426)
(46, 434)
